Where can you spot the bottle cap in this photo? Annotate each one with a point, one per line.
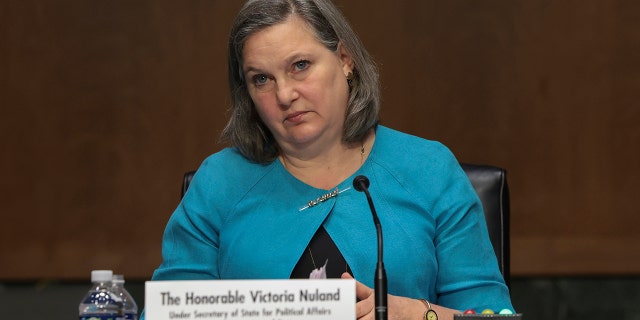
(117, 278)
(101, 275)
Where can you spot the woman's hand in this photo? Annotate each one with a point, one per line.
(399, 308)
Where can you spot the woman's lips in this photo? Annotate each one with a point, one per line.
(295, 117)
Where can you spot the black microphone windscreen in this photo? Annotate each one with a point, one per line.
(361, 183)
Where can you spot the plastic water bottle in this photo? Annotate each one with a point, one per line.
(100, 303)
(129, 306)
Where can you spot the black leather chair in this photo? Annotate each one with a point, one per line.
(490, 184)
(186, 180)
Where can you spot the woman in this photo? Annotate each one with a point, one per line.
(279, 203)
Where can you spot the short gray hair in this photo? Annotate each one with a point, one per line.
(245, 130)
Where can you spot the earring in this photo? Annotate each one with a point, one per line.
(350, 78)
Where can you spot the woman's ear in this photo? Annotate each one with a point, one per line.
(346, 59)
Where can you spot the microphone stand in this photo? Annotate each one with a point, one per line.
(361, 183)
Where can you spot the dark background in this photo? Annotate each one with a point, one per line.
(105, 104)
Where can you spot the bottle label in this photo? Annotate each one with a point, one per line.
(130, 316)
(100, 317)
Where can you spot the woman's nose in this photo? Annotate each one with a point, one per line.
(286, 92)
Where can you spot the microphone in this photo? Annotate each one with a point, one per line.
(361, 183)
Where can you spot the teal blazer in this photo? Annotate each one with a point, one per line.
(243, 220)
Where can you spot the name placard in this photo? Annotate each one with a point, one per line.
(251, 299)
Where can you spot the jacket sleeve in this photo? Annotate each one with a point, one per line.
(191, 238)
(468, 275)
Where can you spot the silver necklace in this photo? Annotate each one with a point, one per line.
(333, 193)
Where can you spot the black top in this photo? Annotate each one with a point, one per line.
(323, 249)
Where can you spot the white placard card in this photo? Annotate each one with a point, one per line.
(251, 299)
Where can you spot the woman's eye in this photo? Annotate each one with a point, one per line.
(301, 65)
(260, 79)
